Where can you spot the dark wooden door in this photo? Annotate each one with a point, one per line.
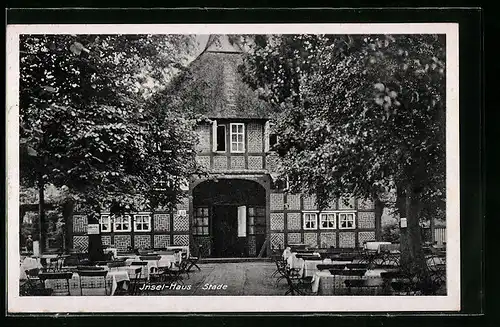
(225, 231)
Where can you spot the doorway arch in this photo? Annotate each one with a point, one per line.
(229, 217)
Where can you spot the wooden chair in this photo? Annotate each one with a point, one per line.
(296, 284)
(92, 273)
(56, 275)
(144, 269)
(134, 283)
(34, 286)
(193, 260)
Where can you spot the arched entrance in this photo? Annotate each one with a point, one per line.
(229, 217)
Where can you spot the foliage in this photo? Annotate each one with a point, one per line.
(85, 122)
(360, 115)
(356, 114)
(390, 232)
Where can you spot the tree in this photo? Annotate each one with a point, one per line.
(86, 122)
(361, 115)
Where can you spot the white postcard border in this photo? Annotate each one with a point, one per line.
(177, 304)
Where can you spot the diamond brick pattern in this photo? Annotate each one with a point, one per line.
(203, 161)
(365, 237)
(277, 221)
(272, 163)
(106, 239)
(310, 202)
(181, 223)
(346, 203)
(293, 221)
(311, 239)
(328, 239)
(366, 219)
(277, 201)
(81, 243)
(277, 240)
(161, 222)
(255, 143)
(220, 163)
(142, 241)
(80, 223)
(123, 242)
(294, 238)
(203, 132)
(237, 162)
(161, 241)
(293, 201)
(347, 240)
(252, 248)
(181, 240)
(255, 162)
(366, 204)
(206, 245)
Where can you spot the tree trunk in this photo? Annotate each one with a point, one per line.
(96, 252)
(412, 256)
(41, 213)
(68, 208)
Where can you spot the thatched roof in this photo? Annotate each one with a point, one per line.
(213, 86)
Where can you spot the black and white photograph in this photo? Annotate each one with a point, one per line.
(261, 166)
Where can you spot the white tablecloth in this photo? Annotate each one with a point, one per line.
(287, 253)
(166, 261)
(307, 267)
(183, 248)
(375, 246)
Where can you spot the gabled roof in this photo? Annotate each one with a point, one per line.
(213, 86)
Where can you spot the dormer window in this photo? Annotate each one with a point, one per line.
(237, 137)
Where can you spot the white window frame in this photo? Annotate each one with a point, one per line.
(119, 220)
(108, 224)
(347, 214)
(136, 223)
(326, 214)
(231, 133)
(306, 213)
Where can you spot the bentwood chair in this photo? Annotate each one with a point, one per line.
(34, 286)
(193, 260)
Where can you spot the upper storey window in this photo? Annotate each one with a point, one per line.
(220, 138)
(237, 137)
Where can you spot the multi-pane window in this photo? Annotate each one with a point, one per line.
(200, 221)
(237, 137)
(327, 220)
(221, 138)
(310, 220)
(142, 223)
(256, 220)
(122, 223)
(346, 221)
(105, 222)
